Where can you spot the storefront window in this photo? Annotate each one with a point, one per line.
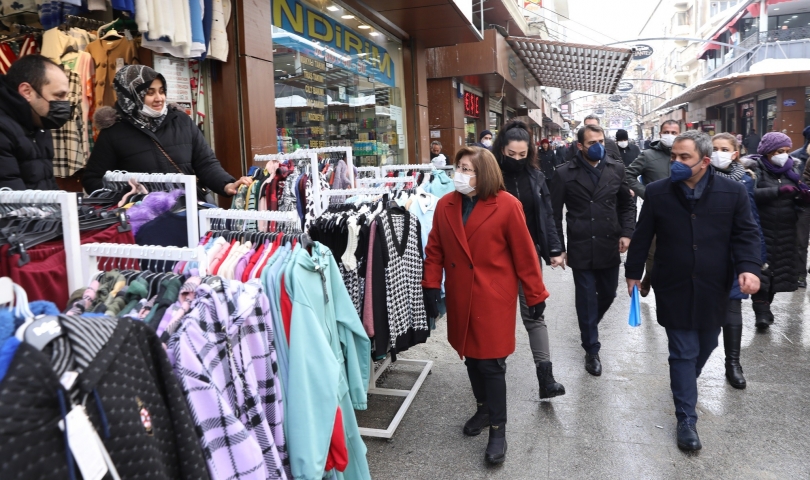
(495, 122)
(470, 132)
(337, 83)
(767, 115)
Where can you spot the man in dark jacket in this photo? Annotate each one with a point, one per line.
(547, 158)
(652, 165)
(601, 215)
(629, 151)
(803, 233)
(705, 231)
(33, 100)
(562, 152)
(610, 145)
(751, 141)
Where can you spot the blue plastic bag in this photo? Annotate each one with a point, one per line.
(635, 309)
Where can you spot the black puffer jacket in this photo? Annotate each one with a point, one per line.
(123, 146)
(26, 152)
(779, 217)
(548, 161)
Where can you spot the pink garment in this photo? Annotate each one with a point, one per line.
(179, 308)
(368, 310)
(242, 263)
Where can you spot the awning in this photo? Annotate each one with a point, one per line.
(572, 66)
(725, 25)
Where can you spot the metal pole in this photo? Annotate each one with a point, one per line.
(763, 16)
(701, 40)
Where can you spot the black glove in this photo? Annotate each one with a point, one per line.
(432, 297)
(536, 311)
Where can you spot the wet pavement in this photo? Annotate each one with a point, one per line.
(619, 425)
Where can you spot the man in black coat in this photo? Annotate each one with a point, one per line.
(610, 145)
(803, 236)
(547, 158)
(704, 230)
(629, 151)
(601, 215)
(33, 100)
(751, 141)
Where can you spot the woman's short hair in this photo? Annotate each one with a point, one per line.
(730, 139)
(488, 177)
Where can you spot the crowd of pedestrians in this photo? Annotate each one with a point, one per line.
(716, 227)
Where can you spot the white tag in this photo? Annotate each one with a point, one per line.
(119, 64)
(128, 35)
(68, 379)
(85, 444)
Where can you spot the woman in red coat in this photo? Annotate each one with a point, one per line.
(480, 240)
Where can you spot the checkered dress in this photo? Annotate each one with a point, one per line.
(69, 147)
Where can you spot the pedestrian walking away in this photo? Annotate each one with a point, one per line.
(601, 216)
(779, 194)
(705, 233)
(726, 162)
(652, 165)
(803, 237)
(518, 159)
(751, 142)
(481, 243)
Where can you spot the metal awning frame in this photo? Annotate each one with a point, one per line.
(572, 66)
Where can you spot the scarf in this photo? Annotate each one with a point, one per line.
(786, 169)
(131, 84)
(735, 172)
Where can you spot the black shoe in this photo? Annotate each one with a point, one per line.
(476, 424)
(803, 283)
(549, 388)
(496, 447)
(688, 439)
(763, 315)
(593, 365)
(732, 337)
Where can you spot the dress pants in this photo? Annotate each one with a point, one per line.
(688, 352)
(802, 238)
(488, 380)
(538, 331)
(595, 291)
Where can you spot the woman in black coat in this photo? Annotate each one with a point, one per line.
(548, 160)
(516, 155)
(779, 191)
(143, 134)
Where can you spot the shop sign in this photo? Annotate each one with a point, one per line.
(472, 105)
(178, 80)
(625, 86)
(615, 98)
(789, 102)
(600, 112)
(435, 134)
(642, 51)
(310, 33)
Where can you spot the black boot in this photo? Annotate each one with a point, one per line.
(496, 447)
(478, 422)
(688, 438)
(593, 365)
(762, 312)
(548, 386)
(732, 337)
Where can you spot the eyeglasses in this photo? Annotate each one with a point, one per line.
(465, 170)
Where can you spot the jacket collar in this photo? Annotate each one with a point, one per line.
(482, 211)
(15, 106)
(704, 196)
(582, 176)
(90, 377)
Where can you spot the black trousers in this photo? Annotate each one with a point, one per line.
(688, 352)
(595, 292)
(488, 380)
(802, 238)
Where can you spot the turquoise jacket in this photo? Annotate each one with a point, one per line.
(329, 365)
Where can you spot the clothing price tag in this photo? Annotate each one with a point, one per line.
(85, 444)
(68, 379)
(119, 64)
(128, 35)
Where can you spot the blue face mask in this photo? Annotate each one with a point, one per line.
(679, 172)
(596, 152)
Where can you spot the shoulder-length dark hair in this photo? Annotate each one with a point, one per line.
(515, 131)
(488, 176)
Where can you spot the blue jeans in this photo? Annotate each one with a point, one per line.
(595, 291)
(688, 352)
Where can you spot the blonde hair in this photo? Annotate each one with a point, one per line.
(488, 176)
(732, 140)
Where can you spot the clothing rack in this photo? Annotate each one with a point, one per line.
(349, 158)
(68, 203)
(350, 192)
(91, 251)
(386, 180)
(220, 213)
(81, 22)
(421, 166)
(312, 155)
(167, 180)
(375, 170)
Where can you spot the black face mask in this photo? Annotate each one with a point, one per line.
(513, 165)
(59, 113)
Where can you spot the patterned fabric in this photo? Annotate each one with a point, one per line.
(131, 83)
(213, 354)
(29, 47)
(287, 201)
(69, 148)
(88, 297)
(352, 282)
(403, 275)
(171, 319)
(7, 57)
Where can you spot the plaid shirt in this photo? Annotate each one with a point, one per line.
(69, 148)
(215, 364)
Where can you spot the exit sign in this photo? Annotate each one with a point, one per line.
(472, 105)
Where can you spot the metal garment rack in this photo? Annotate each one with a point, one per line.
(68, 203)
(349, 158)
(303, 154)
(421, 166)
(206, 216)
(375, 170)
(189, 183)
(350, 192)
(91, 251)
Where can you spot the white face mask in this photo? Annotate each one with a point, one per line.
(667, 139)
(623, 144)
(722, 160)
(780, 160)
(486, 143)
(147, 111)
(462, 183)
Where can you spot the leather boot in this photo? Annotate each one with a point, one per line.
(496, 447)
(477, 422)
(593, 364)
(732, 337)
(688, 438)
(549, 388)
(762, 312)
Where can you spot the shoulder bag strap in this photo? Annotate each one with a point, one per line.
(167, 155)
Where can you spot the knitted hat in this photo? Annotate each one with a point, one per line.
(772, 142)
(621, 135)
(483, 134)
(545, 140)
(806, 133)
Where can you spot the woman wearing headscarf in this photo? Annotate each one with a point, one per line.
(778, 192)
(143, 134)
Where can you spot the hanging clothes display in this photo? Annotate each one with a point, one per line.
(109, 55)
